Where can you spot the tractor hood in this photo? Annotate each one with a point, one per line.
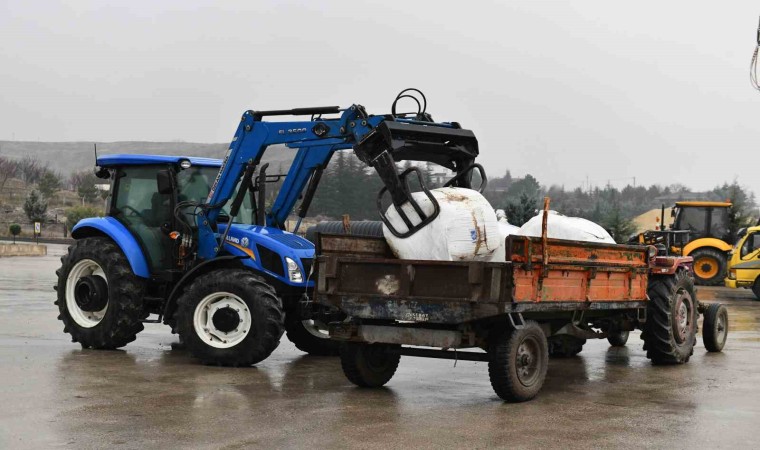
(272, 250)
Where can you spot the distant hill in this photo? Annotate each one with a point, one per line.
(68, 157)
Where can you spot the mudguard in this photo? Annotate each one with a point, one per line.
(114, 229)
(705, 242)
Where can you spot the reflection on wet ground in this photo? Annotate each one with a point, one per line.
(56, 395)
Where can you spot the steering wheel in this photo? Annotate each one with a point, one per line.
(136, 212)
(468, 171)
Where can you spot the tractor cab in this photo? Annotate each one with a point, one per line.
(140, 203)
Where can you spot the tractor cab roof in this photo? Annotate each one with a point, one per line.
(141, 160)
(703, 204)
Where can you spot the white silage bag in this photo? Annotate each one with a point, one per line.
(465, 229)
(505, 229)
(564, 227)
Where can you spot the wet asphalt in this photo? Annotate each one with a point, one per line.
(54, 394)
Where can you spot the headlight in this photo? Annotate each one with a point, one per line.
(294, 272)
(732, 274)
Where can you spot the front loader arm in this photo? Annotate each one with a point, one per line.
(379, 141)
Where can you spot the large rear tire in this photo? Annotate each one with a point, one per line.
(230, 317)
(310, 337)
(709, 266)
(670, 330)
(756, 289)
(518, 360)
(368, 365)
(715, 327)
(100, 299)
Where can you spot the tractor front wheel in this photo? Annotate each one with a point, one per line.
(715, 327)
(100, 299)
(230, 317)
(709, 266)
(756, 289)
(310, 336)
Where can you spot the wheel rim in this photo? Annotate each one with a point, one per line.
(316, 328)
(706, 267)
(683, 317)
(83, 268)
(721, 327)
(527, 361)
(222, 320)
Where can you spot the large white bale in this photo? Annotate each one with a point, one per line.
(505, 229)
(465, 230)
(564, 227)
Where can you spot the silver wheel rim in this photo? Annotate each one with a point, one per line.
(316, 328)
(721, 327)
(204, 325)
(83, 268)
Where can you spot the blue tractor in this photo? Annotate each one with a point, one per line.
(194, 242)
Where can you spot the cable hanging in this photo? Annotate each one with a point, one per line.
(753, 78)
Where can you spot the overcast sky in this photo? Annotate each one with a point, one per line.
(561, 90)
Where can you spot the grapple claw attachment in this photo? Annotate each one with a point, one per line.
(407, 205)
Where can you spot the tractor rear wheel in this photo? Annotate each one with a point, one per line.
(310, 336)
(670, 330)
(368, 365)
(715, 327)
(100, 299)
(756, 289)
(518, 360)
(709, 266)
(230, 317)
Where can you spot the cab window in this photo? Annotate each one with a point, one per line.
(694, 220)
(751, 244)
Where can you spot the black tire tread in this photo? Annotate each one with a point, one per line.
(659, 340)
(352, 363)
(503, 381)
(307, 342)
(122, 322)
(709, 336)
(267, 307)
(719, 256)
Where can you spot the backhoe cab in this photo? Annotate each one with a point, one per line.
(197, 243)
(700, 229)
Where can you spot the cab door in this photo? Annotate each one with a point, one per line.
(143, 210)
(748, 268)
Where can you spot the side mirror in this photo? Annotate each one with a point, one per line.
(672, 212)
(165, 181)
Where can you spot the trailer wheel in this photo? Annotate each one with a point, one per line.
(565, 346)
(368, 365)
(100, 299)
(229, 318)
(715, 327)
(518, 360)
(670, 330)
(617, 338)
(310, 337)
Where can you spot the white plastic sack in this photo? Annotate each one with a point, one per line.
(564, 227)
(505, 229)
(465, 230)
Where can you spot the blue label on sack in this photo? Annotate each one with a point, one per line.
(473, 235)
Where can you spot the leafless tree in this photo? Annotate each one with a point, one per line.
(8, 169)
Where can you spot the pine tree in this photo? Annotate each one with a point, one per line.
(35, 207)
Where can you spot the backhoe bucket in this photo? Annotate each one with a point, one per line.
(394, 141)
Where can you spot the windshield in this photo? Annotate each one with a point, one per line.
(194, 185)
